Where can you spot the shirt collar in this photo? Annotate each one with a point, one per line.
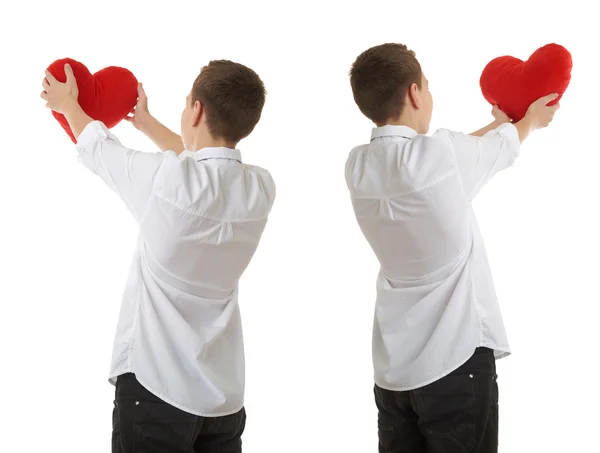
(393, 131)
(219, 152)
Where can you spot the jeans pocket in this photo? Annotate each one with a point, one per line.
(386, 435)
(460, 439)
(448, 411)
(164, 425)
(123, 423)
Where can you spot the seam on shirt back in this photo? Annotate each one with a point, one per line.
(204, 216)
(410, 192)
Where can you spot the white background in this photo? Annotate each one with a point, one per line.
(307, 298)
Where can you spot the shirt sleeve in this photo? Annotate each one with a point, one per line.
(128, 172)
(480, 158)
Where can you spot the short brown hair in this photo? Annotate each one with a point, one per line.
(233, 96)
(380, 78)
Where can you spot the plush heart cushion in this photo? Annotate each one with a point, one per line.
(513, 84)
(109, 95)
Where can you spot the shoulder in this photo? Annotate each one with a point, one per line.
(261, 179)
(442, 138)
(357, 150)
(259, 172)
(356, 153)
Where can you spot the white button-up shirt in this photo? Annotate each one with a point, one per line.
(201, 217)
(412, 198)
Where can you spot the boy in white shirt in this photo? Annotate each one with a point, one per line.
(437, 329)
(178, 360)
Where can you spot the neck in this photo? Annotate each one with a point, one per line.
(211, 142)
(406, 119)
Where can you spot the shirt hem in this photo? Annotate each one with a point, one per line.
(113, 379)
(499, 353)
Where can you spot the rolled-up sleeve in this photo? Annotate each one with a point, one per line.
(128, 172)
(480, 158)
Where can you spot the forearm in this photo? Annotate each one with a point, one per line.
(76, 118)
(525, 127)
(162, 136)
(490, 127)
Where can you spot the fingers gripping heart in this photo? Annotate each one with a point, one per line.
(108, 95)
(514, 85)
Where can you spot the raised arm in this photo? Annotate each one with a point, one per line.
(129, 173)
(161, 135)
(480, 157)
(538, 115)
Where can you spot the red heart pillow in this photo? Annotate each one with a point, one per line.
(513, 84)
(108, 95)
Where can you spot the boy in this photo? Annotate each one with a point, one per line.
(178, 361)
(438, 328)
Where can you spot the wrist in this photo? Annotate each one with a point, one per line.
(530, 121)
(71, 107)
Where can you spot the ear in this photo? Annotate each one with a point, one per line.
(197, 112)
(414, 96)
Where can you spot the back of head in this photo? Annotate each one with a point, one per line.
(233, 96)
(381, 77)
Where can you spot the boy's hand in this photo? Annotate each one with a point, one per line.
(539, 114)
(140, 114)
(499, 115)
(60, 96)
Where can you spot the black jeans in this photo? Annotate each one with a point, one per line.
(143, 423)
(456, 414)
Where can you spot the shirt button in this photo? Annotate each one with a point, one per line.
(137, 403)
(471, 376)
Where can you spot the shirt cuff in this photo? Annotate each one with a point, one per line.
(508, 130)
(511, 134)
(95, 131)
